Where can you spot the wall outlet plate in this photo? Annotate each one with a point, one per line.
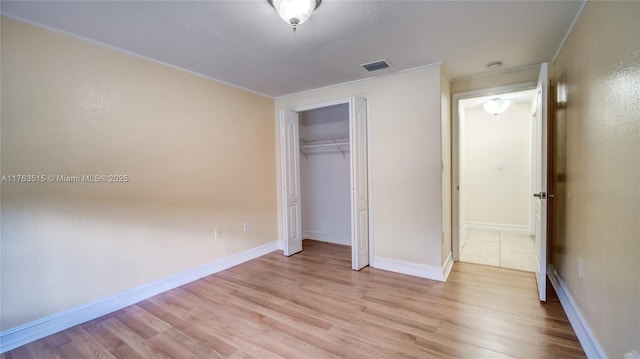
(217, 233)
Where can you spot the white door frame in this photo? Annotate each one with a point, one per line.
(542, 158)
(340, 101)
(455, 153)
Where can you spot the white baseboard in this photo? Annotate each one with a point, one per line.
(497, 227)
(326, 237)
(415, 269)
(464, 233)
(447, 266)
(40, 328)
(589, 343)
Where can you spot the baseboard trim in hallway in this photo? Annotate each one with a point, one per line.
(496, 227)
(588, 341)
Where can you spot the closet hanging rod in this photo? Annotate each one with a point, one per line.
(331, 144)
(322, 140)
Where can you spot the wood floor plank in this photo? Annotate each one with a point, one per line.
(199, 348)
(89, 346)
(312, 305)
(168, 344)
(134, 340)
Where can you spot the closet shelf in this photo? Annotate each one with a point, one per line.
(331, 144)
(326, 144)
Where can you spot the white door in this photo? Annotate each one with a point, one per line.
(290, 151)
(359, 188)
(540, 192)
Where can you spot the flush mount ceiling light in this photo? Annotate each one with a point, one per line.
(496, 106)
(294, 12)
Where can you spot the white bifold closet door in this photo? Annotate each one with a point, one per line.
(290, 162)
(359, 184)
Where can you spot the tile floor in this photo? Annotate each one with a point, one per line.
(501, 249)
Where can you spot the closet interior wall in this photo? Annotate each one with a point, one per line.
(325, 174)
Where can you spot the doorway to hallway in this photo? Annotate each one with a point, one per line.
(496, 159)
(496, 103)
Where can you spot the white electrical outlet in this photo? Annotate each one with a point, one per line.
(217, 233)
(580, 267)
(245, 226)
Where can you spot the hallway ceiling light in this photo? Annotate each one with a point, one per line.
(496, 106)
(294, 12)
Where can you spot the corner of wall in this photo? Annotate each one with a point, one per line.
(446, 178)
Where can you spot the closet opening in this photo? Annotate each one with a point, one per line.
(325, 182)
(325, 174)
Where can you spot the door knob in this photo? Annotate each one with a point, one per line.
(541, 195)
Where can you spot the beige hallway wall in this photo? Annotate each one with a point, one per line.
(495, 160)
(597, 200)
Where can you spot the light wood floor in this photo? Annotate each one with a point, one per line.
(312, 305)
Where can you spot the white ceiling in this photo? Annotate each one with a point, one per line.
(245, 43)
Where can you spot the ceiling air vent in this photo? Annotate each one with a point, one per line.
(376, 65)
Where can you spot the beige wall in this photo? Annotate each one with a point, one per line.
(504, 78)
(493, 195)
(598, 161)
(199, 155)
(406, 166)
